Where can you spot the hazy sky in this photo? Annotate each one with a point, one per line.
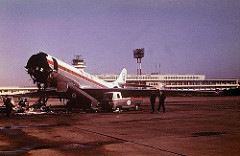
(184, 36)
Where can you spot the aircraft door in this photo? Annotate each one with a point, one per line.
(55, 64)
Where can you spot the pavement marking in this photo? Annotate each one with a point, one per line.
(148, 146)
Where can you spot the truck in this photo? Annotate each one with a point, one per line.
(114, 101)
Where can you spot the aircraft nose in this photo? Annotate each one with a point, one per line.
(38, 68)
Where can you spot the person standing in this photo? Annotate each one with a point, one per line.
(153, 100)
(21, 103)
(26, 103)
(9, 106)
(162, 98)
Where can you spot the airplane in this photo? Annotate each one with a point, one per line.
(82, 89)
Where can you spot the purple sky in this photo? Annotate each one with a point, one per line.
(185, 37)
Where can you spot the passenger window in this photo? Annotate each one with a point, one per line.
(118, 96)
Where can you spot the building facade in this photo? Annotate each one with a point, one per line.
(177, 82)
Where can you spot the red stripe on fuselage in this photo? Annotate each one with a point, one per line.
(76, 74)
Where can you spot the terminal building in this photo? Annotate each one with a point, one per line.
(177, 82)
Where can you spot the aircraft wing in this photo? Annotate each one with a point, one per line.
(94, 92)
(50, 92)
(126, 92)
(132, 92)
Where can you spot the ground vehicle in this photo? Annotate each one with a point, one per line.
(114, 100)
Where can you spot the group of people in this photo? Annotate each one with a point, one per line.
(162, 98)
(23, 105)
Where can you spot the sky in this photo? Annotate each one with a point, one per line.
(183, 36)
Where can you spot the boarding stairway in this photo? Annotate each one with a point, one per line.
(76, 96)
(79, 92)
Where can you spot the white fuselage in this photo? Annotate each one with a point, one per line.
(84, 79)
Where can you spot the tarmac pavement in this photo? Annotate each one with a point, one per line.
(190, 126)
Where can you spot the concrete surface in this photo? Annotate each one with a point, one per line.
(190, 126)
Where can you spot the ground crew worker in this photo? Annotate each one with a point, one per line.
(26, 103)
(21, 103)
(162, 98)
(153, 100)
(9, 106)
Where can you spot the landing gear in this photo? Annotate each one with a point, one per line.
(42, 101)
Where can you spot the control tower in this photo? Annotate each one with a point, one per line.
(78, 62)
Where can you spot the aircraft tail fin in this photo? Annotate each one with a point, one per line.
(122, 77)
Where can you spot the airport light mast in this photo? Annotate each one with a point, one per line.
(139, 54)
